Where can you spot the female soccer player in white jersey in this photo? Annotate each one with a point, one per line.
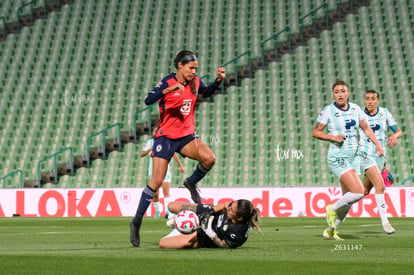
(342, 119)
(380, 120)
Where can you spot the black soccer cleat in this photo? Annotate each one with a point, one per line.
(134, 233)
(195, 196)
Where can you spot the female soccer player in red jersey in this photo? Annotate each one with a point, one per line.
(177, 94)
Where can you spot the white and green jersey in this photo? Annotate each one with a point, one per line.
(379, 123)
(342, 122)
(148, 145)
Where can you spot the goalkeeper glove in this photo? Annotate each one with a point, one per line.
(208, 228)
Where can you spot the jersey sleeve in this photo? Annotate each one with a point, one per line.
(391, 121)
(207, 91)
(156, 92)
(359, 112)
(323, 116)
(236, 235)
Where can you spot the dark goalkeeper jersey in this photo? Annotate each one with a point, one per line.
(234, 234)
(176, 107)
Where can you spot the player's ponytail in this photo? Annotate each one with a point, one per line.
(249, 214)
(193, 86)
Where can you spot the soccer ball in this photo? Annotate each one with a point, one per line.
(186, 222)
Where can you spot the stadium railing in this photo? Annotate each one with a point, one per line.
(55, 169)
(313, 14)
(149, 109)
(21, 8)
(274, 38)
(234, 60)
(3, 19)
(103, 133)
(18, 171)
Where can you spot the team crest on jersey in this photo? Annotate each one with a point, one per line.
(225, 227)
(158, 148)
(186, 107)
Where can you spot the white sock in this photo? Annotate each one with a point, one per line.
(157, 206)
(341, 214)
(167, 200)
(345, 201)
(382, 207)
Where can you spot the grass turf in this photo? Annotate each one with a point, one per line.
(288, 245)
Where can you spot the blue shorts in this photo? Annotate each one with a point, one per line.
(165, 147)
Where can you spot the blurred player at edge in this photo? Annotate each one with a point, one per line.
(177, 94)
(342, 119)
(380, 120)
(167, 180)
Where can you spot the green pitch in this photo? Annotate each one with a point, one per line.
(288, 246)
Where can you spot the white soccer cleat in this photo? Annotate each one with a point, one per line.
(170, 223)
(388, 228)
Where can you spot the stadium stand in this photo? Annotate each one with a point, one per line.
(91, 64)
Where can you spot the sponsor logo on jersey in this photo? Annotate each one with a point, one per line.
(375, 127)
(349, 123)
(186, 107)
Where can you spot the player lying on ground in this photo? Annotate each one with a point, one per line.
(226, 225)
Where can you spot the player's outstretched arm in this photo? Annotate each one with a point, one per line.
(393, 139)
(208, 229)
(207, 91)
(177, 206)
(145, 152)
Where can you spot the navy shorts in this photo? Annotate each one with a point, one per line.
(165, 147)
(204, 241)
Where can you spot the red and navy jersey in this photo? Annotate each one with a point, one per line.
(176, 107)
